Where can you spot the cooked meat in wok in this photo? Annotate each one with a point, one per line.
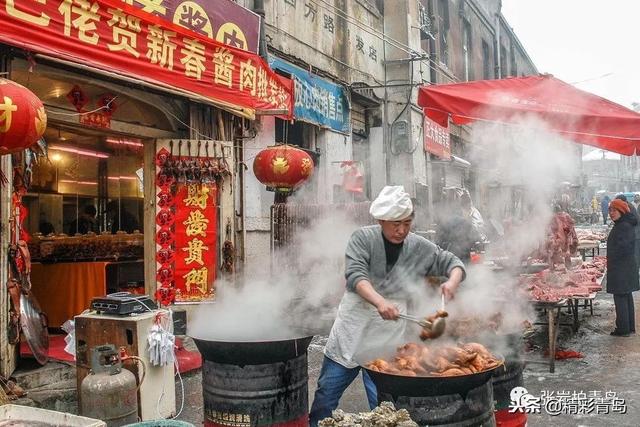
(415, 360)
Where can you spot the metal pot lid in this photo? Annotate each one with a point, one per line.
(34, 327)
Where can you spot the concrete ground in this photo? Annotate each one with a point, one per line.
(609, 364)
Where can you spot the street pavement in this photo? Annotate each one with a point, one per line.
(610, 364)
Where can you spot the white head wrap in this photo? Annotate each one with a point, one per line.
(392, 204)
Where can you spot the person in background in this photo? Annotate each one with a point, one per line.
(455, 232)
(383, 264)
(622, 270)
(636, 200)
(471, 212)
(604, 208)
(85, 223)
(594, 209)
(635, 213)
(119, 219)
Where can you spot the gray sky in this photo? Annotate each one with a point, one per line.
(578, 40)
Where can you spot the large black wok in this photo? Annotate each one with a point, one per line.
(400, 385)
(252, 352)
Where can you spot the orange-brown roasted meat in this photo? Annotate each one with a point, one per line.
(413, 359)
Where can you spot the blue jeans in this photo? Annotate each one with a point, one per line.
(334, 380)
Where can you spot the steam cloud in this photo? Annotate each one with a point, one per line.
(299, 295)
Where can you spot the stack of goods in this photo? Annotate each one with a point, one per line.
(590, 237)
(384, 415)
(415, 360)
(88, 247)
(596, 266)
(553, 287)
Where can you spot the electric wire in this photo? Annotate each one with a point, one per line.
(104, 107)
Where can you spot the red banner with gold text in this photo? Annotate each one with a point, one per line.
(113, 36)
(195, 241)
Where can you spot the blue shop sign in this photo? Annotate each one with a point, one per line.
(317, 101)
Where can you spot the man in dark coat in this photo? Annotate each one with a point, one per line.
(634, 211)
(622, 270)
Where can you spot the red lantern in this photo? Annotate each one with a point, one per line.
(22, 117)
(282, 167)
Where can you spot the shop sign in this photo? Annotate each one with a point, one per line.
(221, 20)
(195, 241)
(96, 119)
(436, 139)
(317, 100)
(114, 36)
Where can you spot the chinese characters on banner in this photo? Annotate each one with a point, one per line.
(436, 139)
(195, 241)
(222, 20)
(112, 35)
(316, 100)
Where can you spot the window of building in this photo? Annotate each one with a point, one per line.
(514, 65)
(443, 11)
(503, 62)
(486, 61)
(466, 50)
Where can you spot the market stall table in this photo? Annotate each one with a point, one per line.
(593, 248)
(553, 310)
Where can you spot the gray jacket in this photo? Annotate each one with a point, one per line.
(419, 258)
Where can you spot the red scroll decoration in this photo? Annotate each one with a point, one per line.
(196, 236)
(186, 236)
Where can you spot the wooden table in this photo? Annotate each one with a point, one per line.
(553, 310)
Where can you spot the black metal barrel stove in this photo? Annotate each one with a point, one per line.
(456, 401)
(259, 383)
(505, 379)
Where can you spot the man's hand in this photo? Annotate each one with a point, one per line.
(387, 310)
(449, 289)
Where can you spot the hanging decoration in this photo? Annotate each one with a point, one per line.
(352, 178)
(283, 168)
(78, 98)
(23, 119)
(186, 221)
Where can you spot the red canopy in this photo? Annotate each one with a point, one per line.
(576, 114)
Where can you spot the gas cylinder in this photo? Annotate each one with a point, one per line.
(109, 393)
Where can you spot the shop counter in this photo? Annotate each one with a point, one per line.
(65, 290)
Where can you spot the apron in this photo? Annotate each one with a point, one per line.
(358, 327)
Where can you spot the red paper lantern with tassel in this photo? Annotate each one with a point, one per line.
(282, 167)
(22, 117)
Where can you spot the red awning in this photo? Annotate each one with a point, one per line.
(576, 114)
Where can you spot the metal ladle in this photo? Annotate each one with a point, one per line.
(436, 328)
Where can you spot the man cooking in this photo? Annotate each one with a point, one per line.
(384, 263)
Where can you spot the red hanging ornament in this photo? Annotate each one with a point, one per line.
(283, 167)
(78, 98)
(107, 102)
(23, 119)
(165, 218)
(165, 256)
(165, 295)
